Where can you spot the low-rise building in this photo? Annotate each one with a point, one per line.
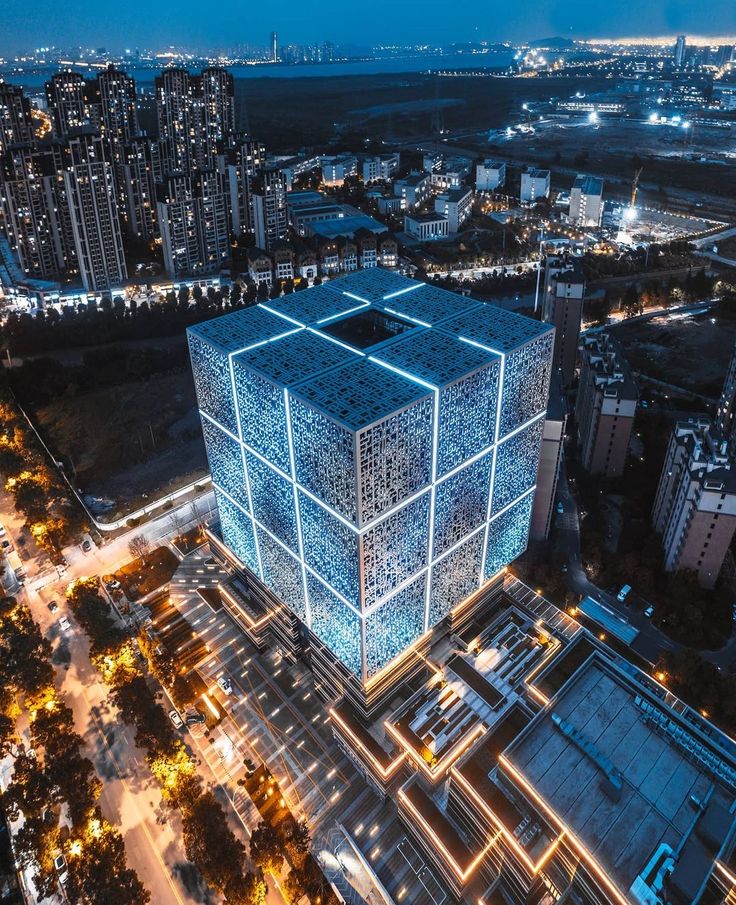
(388, 251)
(586, 201)
(347, 250)
(426, 227)
(260, 266)
(535, 185)
(695, 507)
(283, 261)
(606, 406)
(456, 205)
(490, 175)
(336, 169)
(381, 167)
(412, 189)
(389, 205)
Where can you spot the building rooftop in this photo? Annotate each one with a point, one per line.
(295, 358)
(623, 775)
(327, 334)
(603, 355)
(312, 306)
(345, 226)
(242, 329)
(589, 185)
(429, 305)
(360, 393)
(536, 173)
(496, 328)
(435, 357)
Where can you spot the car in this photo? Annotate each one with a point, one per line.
(623, 593)
(193, 719)
(53, 606)
(176, 719)
(649, 611)
(6, 545)
(225, 684)
(249, 765)
(560, 508)
(64, 624)
(563, 567)
(86, 546)
(2, 531)
(60, 866)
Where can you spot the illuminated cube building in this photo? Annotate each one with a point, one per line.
(373, 445)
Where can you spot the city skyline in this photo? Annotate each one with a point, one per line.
(139, 25)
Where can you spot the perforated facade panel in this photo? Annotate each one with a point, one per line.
(373, 444)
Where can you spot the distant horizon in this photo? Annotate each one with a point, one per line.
(663, 40)
(80, 23)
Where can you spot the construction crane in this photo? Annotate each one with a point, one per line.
(635, 186)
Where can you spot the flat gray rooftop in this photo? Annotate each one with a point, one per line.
(659, 775)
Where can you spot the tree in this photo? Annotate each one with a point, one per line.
(210, 843)
(631, 303)
(139, 546)
(298, 843)
(246, 889)
(98, 874)
(266, 849)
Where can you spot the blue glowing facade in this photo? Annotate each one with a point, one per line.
(373, 445)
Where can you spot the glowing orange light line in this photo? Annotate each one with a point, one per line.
(384, 771)
(450, 757)
(462, 875)
(586, 855)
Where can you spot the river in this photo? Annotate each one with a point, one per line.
(35, 78)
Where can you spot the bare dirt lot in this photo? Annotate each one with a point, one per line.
(691, 352)
(129, 443)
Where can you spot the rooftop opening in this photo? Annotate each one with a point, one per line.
(367, 328)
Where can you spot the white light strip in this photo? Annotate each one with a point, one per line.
(291, 553)
(414, 320)
(358, 298)
(392, 295)
(335, 341)
(405, 374)
(513, 503)
(472, 342)
(220, 426)
(264, 342)
(242, 457)
(492, 482)
(297, 509)
(286, 317)
(333, 317)
(521, 427)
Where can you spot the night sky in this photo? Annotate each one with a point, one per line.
(226, 23)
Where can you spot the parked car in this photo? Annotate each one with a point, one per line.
(2, 530)
(176, 719)
(64, 624)
(86, 546)
(225, 684)
(560, 508)
(6, 545)
(194, 718)
(623, 593)
(53, 606)
(60, 867)
(249, 765)
(649, 611)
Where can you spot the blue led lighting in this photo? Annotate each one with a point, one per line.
(373, 488)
